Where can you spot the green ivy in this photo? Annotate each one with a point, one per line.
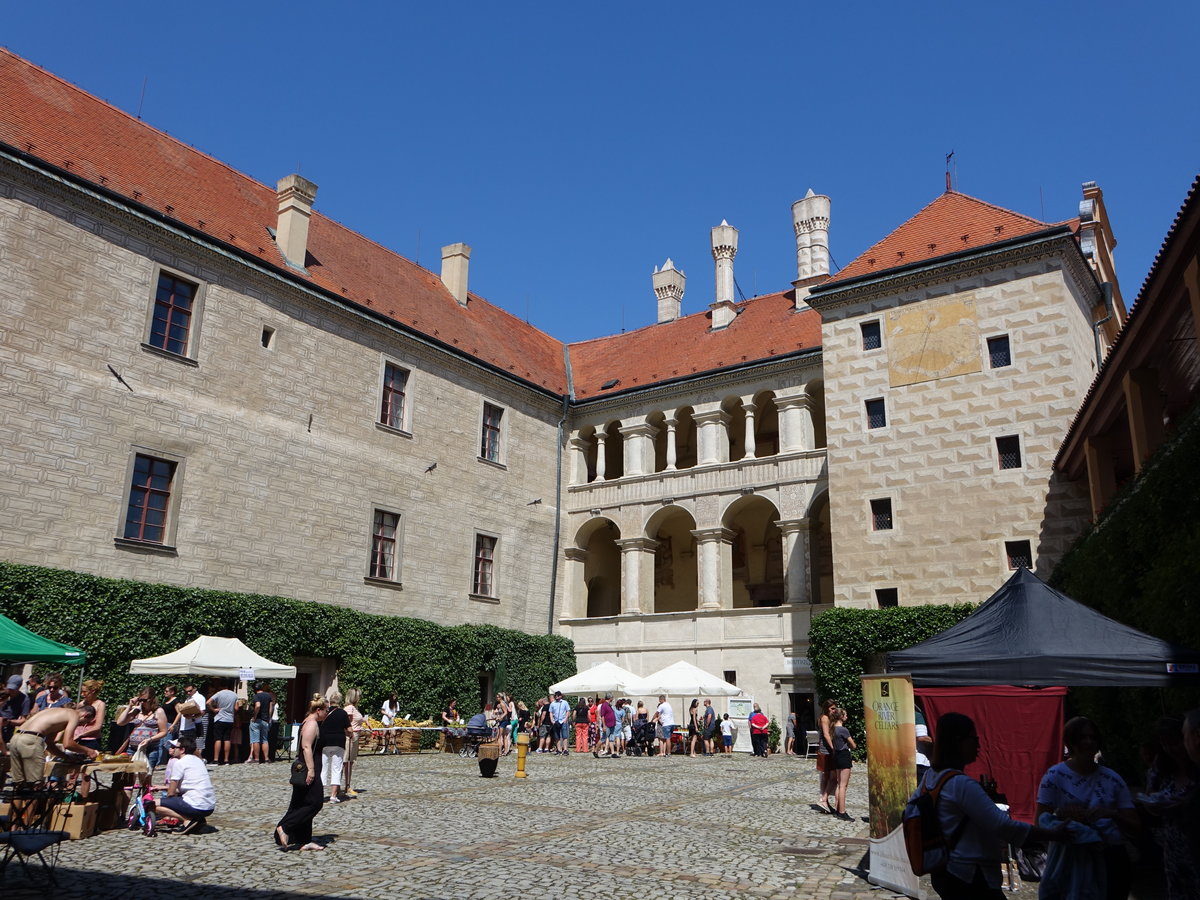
(843, 641)
(116, 621)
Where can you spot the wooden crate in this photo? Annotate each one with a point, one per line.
(408, 741)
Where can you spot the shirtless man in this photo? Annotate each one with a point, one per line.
(39, 733)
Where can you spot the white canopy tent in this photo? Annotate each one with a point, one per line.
(682, 679)
(216, 656)
(603, 677)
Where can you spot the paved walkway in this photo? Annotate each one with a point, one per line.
(427, 826)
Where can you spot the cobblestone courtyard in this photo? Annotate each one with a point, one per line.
(427, 826)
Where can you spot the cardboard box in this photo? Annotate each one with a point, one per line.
(76, 819)
(112, 804)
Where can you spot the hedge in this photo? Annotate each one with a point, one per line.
(116, 621)
(842, 642)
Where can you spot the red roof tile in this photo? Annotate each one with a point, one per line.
(950, 224)
(765, 327)
(45, 117)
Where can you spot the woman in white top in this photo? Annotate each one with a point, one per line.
(387, 715)
(353, 698)
(975, 828)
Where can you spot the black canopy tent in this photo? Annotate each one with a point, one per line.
(1027, 633)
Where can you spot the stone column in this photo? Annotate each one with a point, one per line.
(575, 582)
(748, 407)
(795, 559)
(600, 454)
(670, 424)
(637, 574)
(578, 468)
(638, 446)
(714, 567)
(712, 436)
(796, 431)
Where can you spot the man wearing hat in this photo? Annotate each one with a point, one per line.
(190, 794)
(14, 708)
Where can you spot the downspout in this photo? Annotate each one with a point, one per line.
(558, 446)
(1106, 289)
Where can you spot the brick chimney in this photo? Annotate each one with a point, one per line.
(296, 196)
(668, 288)
(455, 259)
(724, 249)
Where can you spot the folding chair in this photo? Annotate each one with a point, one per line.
(813, 745)
(29, 836)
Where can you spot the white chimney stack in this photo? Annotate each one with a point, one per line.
(724, 249)
(811, 219)
(296, 196)
(455, 258)
(668, 283)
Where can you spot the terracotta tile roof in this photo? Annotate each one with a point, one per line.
(45, 117)
(765, 327)
(950, 224)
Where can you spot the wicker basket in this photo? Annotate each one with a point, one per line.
(489, 750)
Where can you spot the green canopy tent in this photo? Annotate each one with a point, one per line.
(20, 645)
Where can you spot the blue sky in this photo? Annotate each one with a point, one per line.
(576, 146)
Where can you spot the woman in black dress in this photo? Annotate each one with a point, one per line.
(295, 828)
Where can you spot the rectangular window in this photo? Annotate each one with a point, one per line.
(149, 499)
(887, 597)
(171, 325)
(392, 409)
(484, 581)
(1019, 554)
(731, 676)
(872, 336)
(385, 546)
(998, 352)
(881, 515)
(1008, 451)
(876, 413)
(489, 441)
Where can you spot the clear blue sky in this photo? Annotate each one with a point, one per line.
(576, 146)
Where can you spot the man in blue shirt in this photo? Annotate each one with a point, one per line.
(559, 711)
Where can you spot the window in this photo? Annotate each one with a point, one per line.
(385, 540)
(731, 676)
(887, 597)
(484, 582)
(171, 322)
(149, 500)
(392, 408)
(998, 352)
(1019, 554)
(872, 337)
(268, 337)
(1008, 451)
(881, 515)
(489, 440)
(876, 413)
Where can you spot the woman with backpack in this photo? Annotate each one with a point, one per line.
(973, 827)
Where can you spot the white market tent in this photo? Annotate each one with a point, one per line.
(603, 677)
(216, 656)
(683, 679)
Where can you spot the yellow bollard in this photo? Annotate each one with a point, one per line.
(522, 749)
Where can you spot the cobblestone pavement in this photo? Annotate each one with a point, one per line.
(427, 826)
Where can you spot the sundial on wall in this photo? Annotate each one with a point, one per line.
(934, 339)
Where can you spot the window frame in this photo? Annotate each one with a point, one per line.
(881, 590)
(866, 408)
(873, 516)
(862, 334)
(501, 431)
(171, 512)
(987, 350)
(191, 353)
(381, 395)
(1006, 556)
(475, 593)
(1020, 450)
(397, 554)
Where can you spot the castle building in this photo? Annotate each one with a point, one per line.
(210, 383)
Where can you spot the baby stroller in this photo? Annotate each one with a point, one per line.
(141, 812)
(478, 732)
(641, 740)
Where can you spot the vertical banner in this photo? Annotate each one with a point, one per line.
(891, 776)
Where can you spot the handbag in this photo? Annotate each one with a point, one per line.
(299, 774)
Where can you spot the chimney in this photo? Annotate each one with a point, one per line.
(811, 219)
(668, 288)
(455, 258)
(296, 196)
(724, 249)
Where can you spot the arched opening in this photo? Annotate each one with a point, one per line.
(614, 451)
(816, 395)
(766, 425)
(658, 421)
(685, 439)
(602, 567)
(821, 550)
(757, 572)
(735, 427)
(587, 437)
(675, 584)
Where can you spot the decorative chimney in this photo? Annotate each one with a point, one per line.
(296, 196)
(455, 258)
(724, 249)
(668, 288)
(810, 217)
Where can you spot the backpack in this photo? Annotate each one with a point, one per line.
(927, 845)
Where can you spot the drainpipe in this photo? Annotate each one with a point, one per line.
(1107, 290)
(558, 446)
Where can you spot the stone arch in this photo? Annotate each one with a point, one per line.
(766, 424)
(601, 567)
(735, 428)
(675, 573)
(686, 449)
(614, 451)
(820, 544)
(757, 566)
(587, 437)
